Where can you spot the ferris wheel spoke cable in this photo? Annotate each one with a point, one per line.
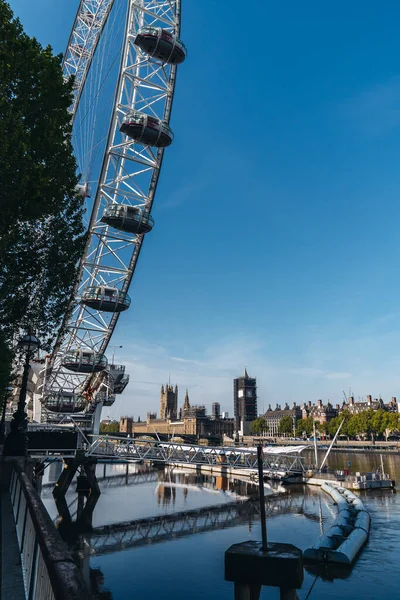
(95, 81)
(127, 178)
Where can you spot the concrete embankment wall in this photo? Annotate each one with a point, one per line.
(340, 446)
(215, 469)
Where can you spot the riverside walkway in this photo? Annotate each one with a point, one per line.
(11, 577)
(35, 563)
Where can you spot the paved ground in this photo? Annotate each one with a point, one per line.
(11, 578)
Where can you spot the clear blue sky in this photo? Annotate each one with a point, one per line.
(277, 215)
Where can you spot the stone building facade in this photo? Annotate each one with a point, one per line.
(197, 426)
(274, 417)
(322, 413)
(375, 404)
(244, 401)
(169, 402)
(192, 420)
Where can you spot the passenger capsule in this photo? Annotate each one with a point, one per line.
(105, 298)
(84, 361)
(63, 402)
(161, 44)
(131, 219)
(147, 130)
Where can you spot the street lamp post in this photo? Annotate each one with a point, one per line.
(16, 443)
(113, 347)
(3, 416)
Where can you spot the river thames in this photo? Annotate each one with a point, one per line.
(163, 533)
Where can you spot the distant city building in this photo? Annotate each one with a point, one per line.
(375, 404)
(192, 420)
(274, 417)
(244, 402)
(169, 402)
(186, 406)
(216, 410)
(322, 413)
(196, 411)
(126, 424)
(225, 415)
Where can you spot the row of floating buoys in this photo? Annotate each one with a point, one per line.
(348, 533)
(148, 130)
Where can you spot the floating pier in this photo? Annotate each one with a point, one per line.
(359, 481)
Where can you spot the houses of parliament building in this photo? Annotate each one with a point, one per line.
(187, 420)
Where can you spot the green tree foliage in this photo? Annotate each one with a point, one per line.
(334, 425)
(41, 231)
(286, 426)
(394, 423)
(259, 426)
(322, 428)
(6, 357)
(368, 424)
(112, 427)
(304, 426)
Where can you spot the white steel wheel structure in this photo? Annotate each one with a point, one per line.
(131, 49)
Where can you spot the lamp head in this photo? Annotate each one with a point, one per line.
(28, 343)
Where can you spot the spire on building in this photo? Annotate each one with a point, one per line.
(186, 404)
(245, 372)
(162, 388)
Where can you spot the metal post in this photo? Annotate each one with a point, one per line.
(16, 443)
(3, 420)
(330, 447)
(315, 445)
(262, 499)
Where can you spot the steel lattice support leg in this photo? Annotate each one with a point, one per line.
(66, 477)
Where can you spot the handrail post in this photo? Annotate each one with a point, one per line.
(262, 498)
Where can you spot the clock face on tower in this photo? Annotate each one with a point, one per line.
(249, 393)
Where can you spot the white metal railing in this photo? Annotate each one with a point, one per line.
(48, 568)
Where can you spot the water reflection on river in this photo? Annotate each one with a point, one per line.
(185, 557)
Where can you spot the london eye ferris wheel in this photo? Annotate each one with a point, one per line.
(123, 55)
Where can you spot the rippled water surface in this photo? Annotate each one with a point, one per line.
(184, 558)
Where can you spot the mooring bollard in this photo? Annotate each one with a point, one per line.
(253, 564)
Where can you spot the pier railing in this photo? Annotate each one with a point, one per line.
(48, 568)
(289, 462)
